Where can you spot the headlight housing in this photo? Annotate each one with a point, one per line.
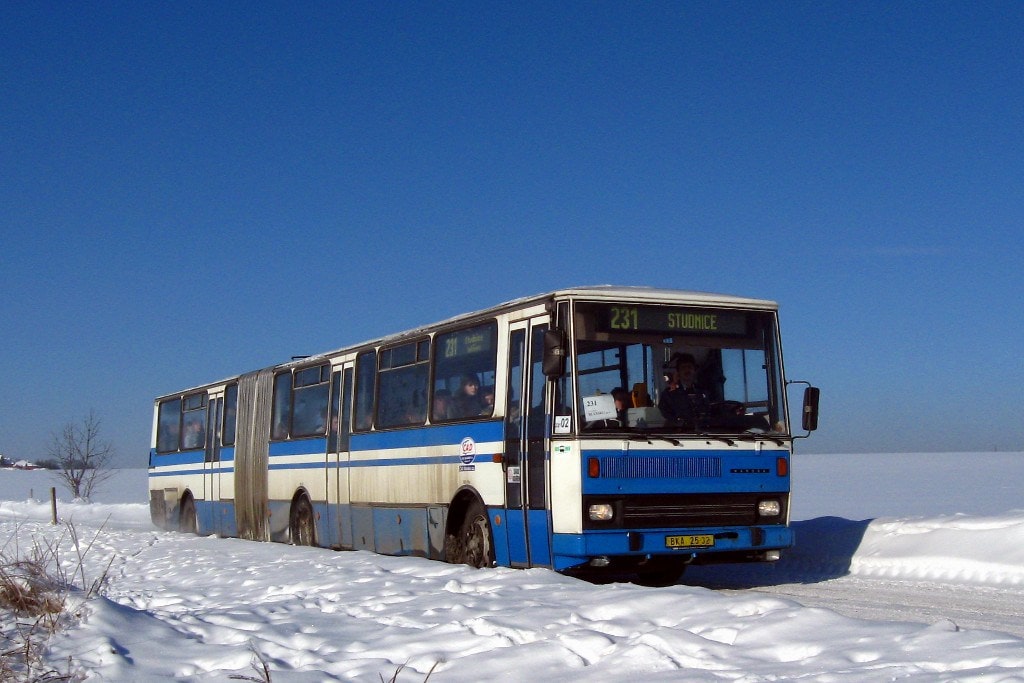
(601, 512)
(769, 508)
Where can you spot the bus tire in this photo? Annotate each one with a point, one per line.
(187, 522)
(667, 574)
(474, 544)
(302, 522)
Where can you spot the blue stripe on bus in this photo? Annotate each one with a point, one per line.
(322, 464)
(400, 438)
(227, 454)
(298, 446)
(183, 458)
(436, 460)
(447, 435)
(428, 436)
(386, 462)
(178, 473)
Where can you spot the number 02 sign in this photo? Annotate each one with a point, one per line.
(563, 423)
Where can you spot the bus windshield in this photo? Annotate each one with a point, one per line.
(677, 370)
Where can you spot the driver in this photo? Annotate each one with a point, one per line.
(682, 402)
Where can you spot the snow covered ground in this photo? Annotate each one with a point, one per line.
(928, 545)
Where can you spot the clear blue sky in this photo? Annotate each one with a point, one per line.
(193, 190)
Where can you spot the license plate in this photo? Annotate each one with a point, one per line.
(702, 541)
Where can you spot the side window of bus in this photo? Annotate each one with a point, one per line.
(168, 426)
(344, 430)
(230, 414)
(193, 422)
(465, 362)
(402, 377)
(366, 374)
(282, 414)
(311, 393)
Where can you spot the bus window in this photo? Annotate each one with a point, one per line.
(168, 426)
(230, 411)
(464, 370)
(402, 394)
(366, 374)
(193, 422)
(332, 425)
(309, 410)
(282, 414)
(346, 412)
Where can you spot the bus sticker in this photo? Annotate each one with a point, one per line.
(468, 450)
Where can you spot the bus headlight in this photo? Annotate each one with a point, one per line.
(602, 512)
(769, 508)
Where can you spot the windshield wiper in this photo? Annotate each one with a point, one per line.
(663, 437)
(724, 439)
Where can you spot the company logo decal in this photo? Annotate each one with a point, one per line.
(468, 450)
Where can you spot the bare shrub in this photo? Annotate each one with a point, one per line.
(35, 587)
(394, 677)
(82, 457)
(259, 665)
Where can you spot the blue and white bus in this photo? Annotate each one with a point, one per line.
(550, 431)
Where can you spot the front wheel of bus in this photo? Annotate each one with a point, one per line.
(303, 523)
(474, 545)
(667, 574)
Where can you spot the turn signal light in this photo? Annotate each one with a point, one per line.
(781, 467)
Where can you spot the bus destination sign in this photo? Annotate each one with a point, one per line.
(674, 320)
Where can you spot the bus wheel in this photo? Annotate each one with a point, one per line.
(667, 574)
(474, 545)
(187, 519)
(303, 524)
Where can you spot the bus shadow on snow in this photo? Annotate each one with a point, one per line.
(824, 550)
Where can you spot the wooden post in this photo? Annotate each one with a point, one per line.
(53, 505)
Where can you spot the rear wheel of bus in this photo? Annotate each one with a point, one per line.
(302, 524)
(473, 543)
(187, 518)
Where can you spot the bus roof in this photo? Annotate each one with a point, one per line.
(641, 294)
(668, 296)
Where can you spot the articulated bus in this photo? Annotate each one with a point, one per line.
(550, 431)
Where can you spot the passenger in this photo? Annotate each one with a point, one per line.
(169, 436)
(414, 414)
(194, 435)
(622, 401)
(683, 403)
(621, 398)
(488, 397)
(467, 401)
(442, 406)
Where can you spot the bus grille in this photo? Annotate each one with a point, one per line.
(660, 467)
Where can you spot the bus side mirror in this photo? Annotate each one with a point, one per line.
(554, 353)
(810, 416)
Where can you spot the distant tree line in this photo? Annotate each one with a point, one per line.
(48, 464)
(44, 464)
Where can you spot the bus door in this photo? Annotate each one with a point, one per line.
(526, 456)
(212, 465)
(339, 522)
